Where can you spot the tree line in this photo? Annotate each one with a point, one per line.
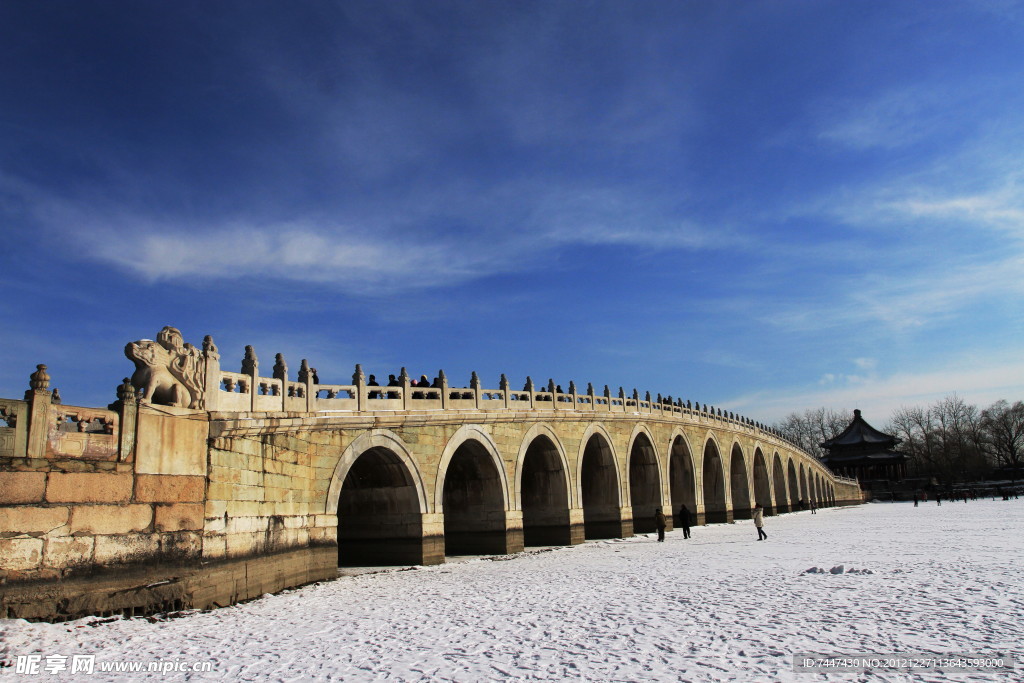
(950, 440)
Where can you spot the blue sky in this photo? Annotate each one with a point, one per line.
(762, 206)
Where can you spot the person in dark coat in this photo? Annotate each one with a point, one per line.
(661, 523)
(684, 520)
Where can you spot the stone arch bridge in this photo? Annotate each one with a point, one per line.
(252, 484)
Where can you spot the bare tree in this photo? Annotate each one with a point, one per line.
(916, 427)
(1003, 434)
(961, 437)
(950, 440)
(810, 428)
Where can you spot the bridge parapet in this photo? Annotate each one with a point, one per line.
(240, 392)
(235, 395)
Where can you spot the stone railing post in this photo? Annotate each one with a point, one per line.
(503, 385)
(590, 394)
(572, 393)
(359, 380)
(403, 378)
(622, 398)
(39, 399)
(474, 384)
(211, 382)
(445, 399)
(554, 396)
(607, 398)
(251, 369)
(309, 388)
(127, 407)
(650, 406)
(281, 373)
(529, 388)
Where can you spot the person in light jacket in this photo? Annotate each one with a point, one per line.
(759, 522)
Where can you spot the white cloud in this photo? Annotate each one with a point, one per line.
(977, 380)
(893, 119)
(866, 363)
(514, 227)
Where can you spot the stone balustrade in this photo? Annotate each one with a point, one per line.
(235, 394)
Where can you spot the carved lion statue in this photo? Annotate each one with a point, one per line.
(167, 371)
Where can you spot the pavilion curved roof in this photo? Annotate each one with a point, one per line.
(860, 433)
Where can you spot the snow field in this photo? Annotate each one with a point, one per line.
(719, 607)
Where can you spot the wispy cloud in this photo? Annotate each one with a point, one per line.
(980, 380)
(892, 119)
(509, 228)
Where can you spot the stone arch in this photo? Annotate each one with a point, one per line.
(739, 483)
(779, 484)
(794, 486)
(715, 507)
(472, 492)
(465, 433)
(644, 479)
(376, 438)
(682, 476)
(804, 493)
(543, 488)
(762, 483)
(599, 489)
(378, 497)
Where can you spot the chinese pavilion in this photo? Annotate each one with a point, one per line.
(864, 452)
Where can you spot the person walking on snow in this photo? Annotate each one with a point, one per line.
(759, 522)
(684, 520)
(659, 521)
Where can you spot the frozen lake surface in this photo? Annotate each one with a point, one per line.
(943, 580)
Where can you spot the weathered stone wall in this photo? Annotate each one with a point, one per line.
(268, 492)
(72, 503)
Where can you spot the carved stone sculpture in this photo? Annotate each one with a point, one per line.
(168, 371)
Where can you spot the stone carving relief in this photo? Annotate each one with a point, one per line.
(169, 371)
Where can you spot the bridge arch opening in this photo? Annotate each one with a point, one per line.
(794, 487)
(379, 517)
(682, 481)
(762, 488)
(739, 488)
(805, 493)
(779, 482)
(545, 500)
(473, 503)
(599, 489)
(715, 510)
(644, 484)
(816, 489)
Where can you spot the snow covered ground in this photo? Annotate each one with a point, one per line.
(720, 606)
